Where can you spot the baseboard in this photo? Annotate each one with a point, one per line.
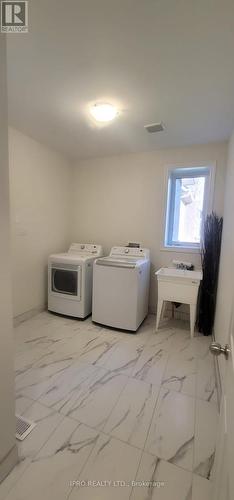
(8, 463)
(28, 314)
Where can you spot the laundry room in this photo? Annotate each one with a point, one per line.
(117, 173)
(108, 201)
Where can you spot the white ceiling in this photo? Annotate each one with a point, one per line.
(169, 60)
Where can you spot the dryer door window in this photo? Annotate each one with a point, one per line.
(65, 281)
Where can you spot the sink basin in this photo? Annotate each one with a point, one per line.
(182, 275)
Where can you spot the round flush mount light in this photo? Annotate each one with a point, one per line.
(103, 112)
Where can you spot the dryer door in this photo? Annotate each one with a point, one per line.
(66, 280)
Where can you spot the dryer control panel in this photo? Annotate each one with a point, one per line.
(85, 248)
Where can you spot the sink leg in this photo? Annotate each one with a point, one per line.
(192, 318)
(163, 309)
(159, 310)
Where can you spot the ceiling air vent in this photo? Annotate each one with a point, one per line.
(154, 127)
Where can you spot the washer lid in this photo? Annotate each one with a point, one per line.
(126, 262)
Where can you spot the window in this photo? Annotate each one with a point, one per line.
(187, 204)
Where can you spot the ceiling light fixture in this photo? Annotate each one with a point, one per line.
(103, 112)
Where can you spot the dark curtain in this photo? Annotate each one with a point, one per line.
(210, 255)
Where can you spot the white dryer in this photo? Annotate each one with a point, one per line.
(70, 278)
(121, 288)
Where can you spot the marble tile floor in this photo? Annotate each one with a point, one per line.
(119, 415)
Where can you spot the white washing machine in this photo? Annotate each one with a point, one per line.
(70, 278)
(121, 288)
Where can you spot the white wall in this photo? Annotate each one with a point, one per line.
(8, 454)
(226, 281)
(40, 194)
(121, 199)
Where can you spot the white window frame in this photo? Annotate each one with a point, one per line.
(208, 201)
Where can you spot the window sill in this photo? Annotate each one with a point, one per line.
(180, 249)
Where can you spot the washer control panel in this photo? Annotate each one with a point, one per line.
(129, 252)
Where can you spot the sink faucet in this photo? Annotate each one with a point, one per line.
(185, 267)
(180, 266)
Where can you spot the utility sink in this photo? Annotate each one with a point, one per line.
(182, 275)
(178, 285)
